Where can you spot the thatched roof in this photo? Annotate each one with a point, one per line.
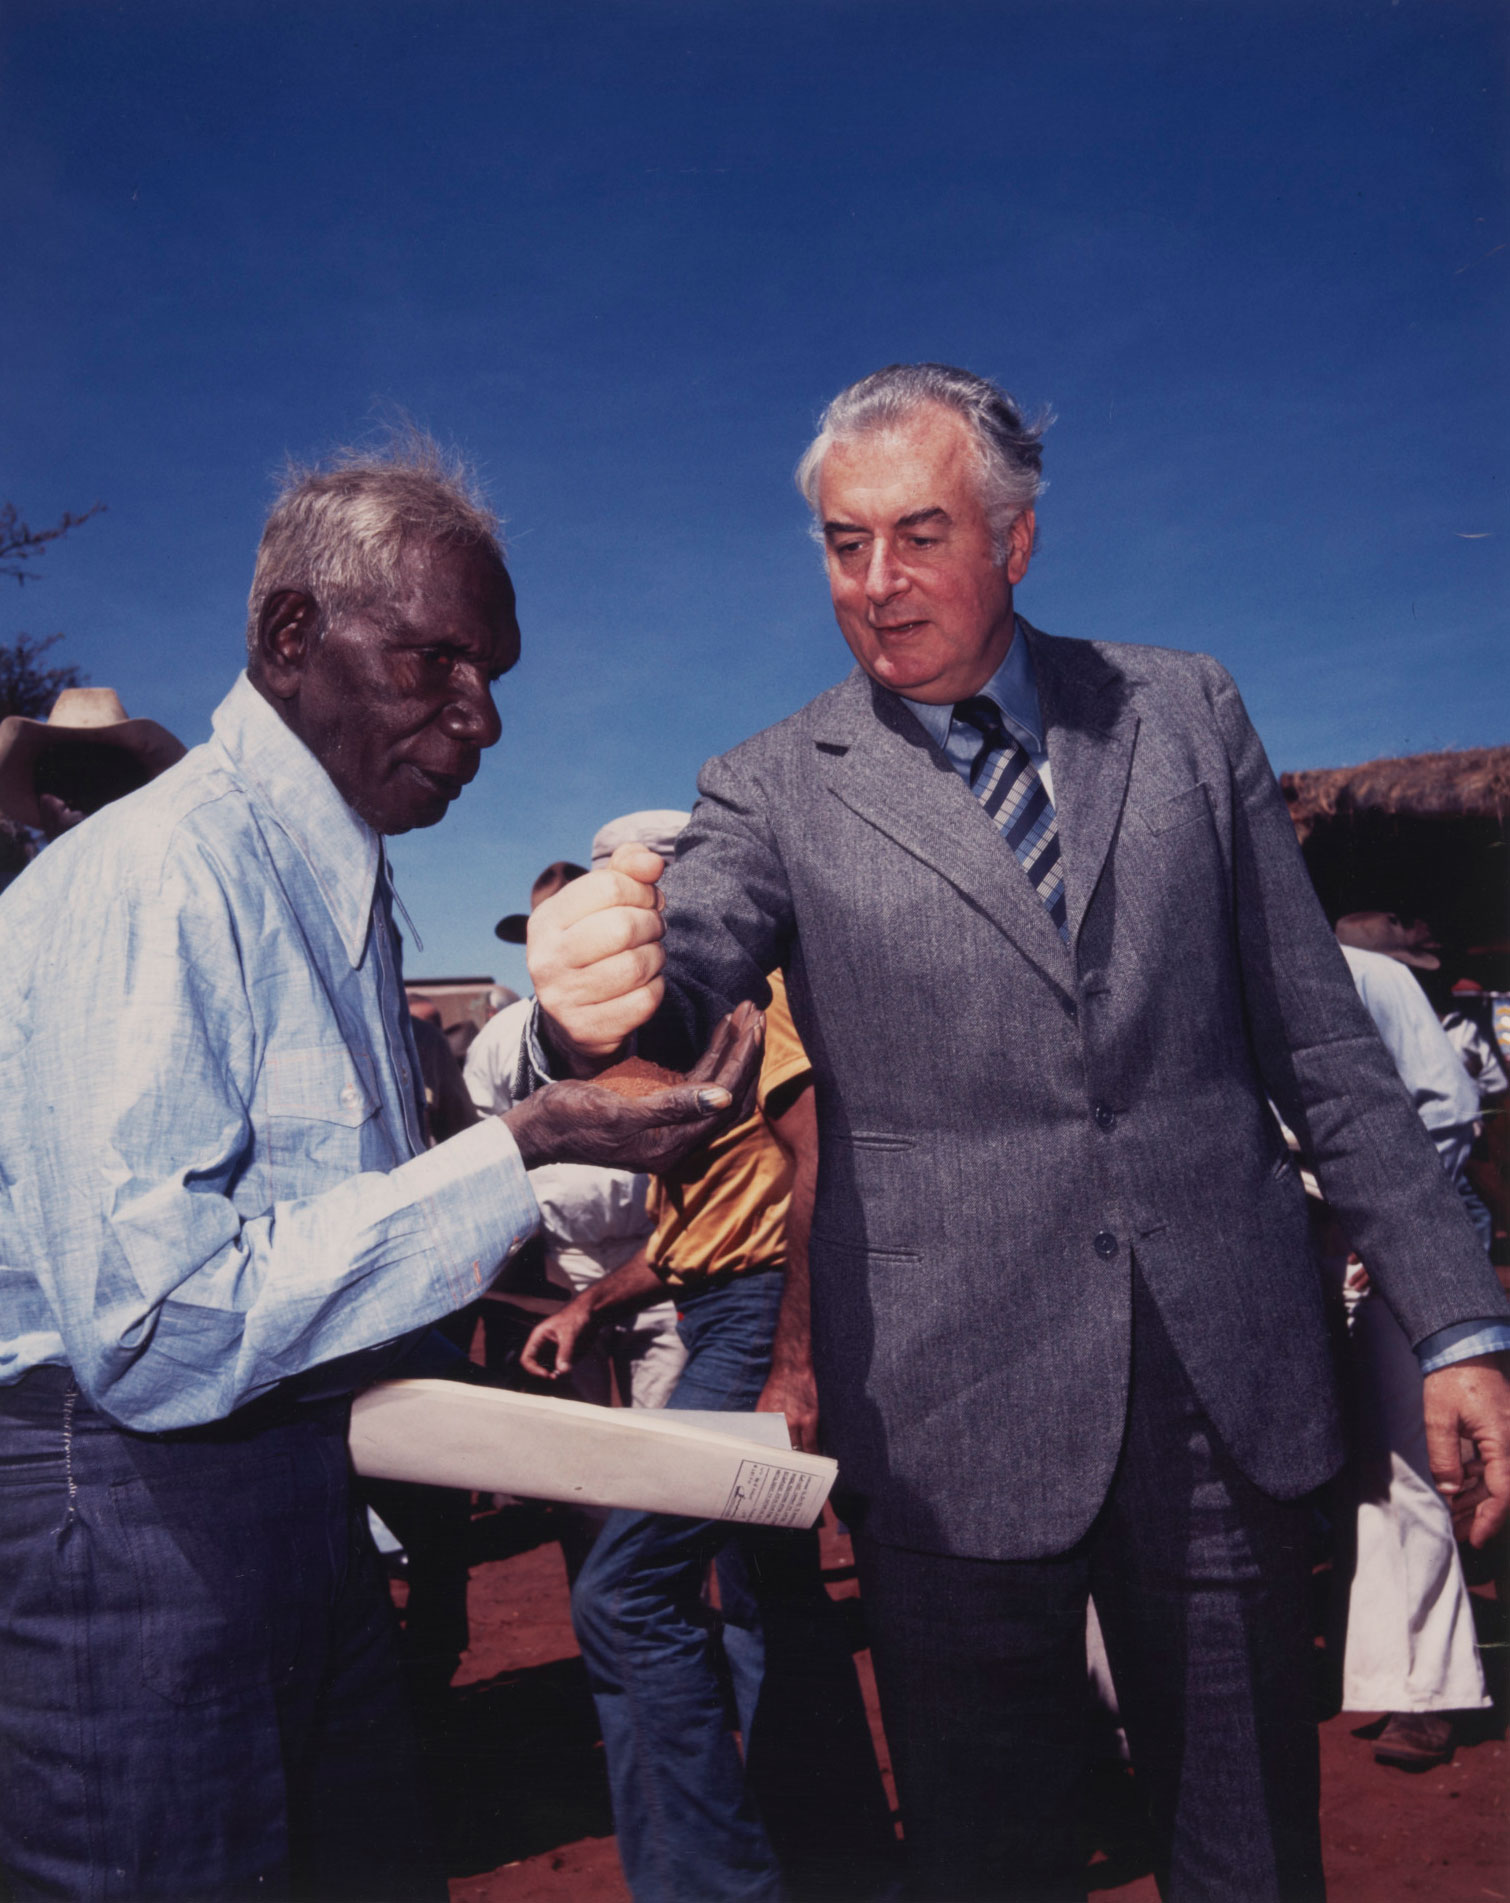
(1473, 783)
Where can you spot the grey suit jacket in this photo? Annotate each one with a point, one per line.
(1006, 1120)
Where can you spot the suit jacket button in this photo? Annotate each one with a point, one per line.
(1106, 1117)
(1106, 1245)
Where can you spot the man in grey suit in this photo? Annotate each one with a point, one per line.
(1053, 952)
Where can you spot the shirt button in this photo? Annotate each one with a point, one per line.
(350, 1097)
(1106, 1117)
(1071, 1009)
(1105, 1245)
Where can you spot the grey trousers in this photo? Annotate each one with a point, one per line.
(1201, 1583)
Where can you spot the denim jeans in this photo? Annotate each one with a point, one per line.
(695, 1820)
(687, 1827)
(201, 1694)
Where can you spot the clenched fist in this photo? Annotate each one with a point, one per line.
(595, 956)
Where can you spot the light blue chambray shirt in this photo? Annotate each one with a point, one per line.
(212, 1174)
(1015, 691)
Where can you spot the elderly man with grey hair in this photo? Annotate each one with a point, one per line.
(1052, 949)
(218, 1219)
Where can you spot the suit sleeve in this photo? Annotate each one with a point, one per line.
(728, 912)
(1325, 1066)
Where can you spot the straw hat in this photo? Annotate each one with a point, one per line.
(79, 713)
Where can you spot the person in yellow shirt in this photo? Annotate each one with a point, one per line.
(697, 1821)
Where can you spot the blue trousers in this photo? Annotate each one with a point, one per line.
(696, 1822)
(1201, 1585)
(201, 1696)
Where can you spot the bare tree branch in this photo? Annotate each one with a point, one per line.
(20, 544)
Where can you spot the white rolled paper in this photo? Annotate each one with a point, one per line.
(489, 1440)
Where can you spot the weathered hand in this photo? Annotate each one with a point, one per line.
(792, 1391)
(584, 1123)
(595, 956)
(1469, 1402)
(568, 1329)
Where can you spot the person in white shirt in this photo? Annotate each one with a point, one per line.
(1409, 1648)
(592, 1220)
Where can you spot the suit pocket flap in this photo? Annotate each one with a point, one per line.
(1182, 809)
(324, 1083)
(847, 1246)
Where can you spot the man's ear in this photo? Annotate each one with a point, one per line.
(1020, 546)
(287, 630)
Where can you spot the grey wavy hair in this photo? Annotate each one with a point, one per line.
(338, 530)
(1009, 449)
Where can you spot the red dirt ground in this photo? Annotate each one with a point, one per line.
(519, 1763)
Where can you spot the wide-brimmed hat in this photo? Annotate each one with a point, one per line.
(88, 714)
(513, 929)
(1410, 941)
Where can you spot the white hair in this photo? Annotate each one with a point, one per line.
(1009, 450)
(337, 531)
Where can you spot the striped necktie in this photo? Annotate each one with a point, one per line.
(1006, 783)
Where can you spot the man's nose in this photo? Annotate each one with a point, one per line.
(883, 577)
(471, 715)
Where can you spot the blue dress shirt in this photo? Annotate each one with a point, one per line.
(212, 1173)
(1015, 691)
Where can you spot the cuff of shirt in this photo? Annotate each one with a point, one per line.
(534, 1060)
(536, 1067)
(1460, 1341)
(478, 1203)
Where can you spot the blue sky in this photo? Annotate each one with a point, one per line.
(1253, 253)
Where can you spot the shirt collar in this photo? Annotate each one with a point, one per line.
(1014, 690)
(340, 848)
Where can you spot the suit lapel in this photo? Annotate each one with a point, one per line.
(885, 769)
(1090, 732)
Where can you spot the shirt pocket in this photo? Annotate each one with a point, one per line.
(325, 1082)
(320, 1101)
